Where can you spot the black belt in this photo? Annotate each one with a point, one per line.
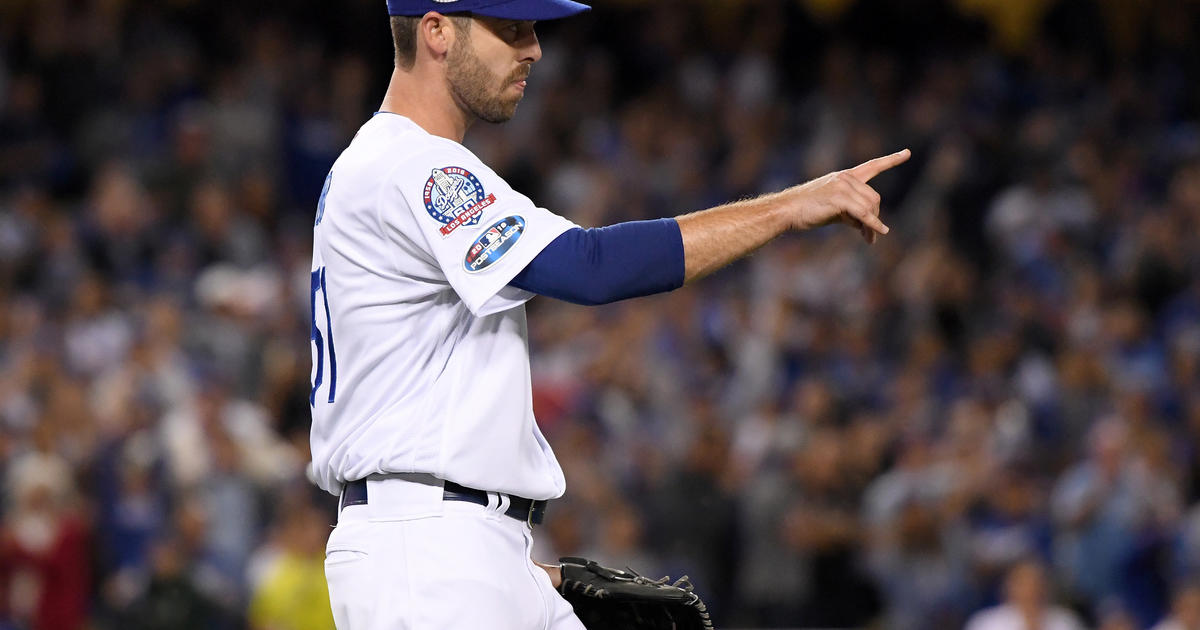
(520, 508)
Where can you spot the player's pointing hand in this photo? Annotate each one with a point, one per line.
(845, 197)
(867, 171)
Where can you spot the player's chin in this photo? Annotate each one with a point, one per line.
(501, 114)
(503, 110)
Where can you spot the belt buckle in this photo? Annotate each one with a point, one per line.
(529, 514)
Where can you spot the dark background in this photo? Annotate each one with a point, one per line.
(823, 435)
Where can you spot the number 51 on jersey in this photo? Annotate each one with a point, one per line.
(319, 340)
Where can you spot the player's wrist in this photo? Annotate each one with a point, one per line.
(797, 203)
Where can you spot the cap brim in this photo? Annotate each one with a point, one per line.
(532, 9)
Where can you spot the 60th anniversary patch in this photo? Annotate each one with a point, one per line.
(493, 244)
(454, 197)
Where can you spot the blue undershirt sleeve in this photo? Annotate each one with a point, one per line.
(603, 265)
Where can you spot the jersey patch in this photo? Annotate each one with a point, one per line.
(454, 197)
(493, 244)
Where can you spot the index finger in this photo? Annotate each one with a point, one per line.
(867, 170)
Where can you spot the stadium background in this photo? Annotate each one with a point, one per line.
(823, 435)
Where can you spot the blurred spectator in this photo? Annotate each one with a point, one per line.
(133, 515)
(289, 591)
(172, 598)
(45, 571)
(1115, 512)
(773, 577)
(821, 525)
(1007, 526)
(1027, 604)
(622, 542)
(235, 429)
(1096, 503)
(701, 548)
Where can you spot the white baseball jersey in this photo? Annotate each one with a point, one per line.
(420, 351)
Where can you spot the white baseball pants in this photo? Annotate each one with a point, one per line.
(408, 560)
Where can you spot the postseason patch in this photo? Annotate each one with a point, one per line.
(493, 244)
(454, 197)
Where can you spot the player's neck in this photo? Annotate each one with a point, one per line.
(427, 102)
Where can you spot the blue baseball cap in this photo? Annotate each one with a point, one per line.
(505, 9)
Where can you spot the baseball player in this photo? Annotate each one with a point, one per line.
(423, 258)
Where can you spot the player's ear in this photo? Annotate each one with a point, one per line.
(436, 34)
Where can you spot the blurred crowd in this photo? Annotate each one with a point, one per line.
(998, 402)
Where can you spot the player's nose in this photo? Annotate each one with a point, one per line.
(533, 48)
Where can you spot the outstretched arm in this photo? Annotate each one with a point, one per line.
(714, 238)
(627, 260)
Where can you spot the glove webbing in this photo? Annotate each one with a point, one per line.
(591, 590)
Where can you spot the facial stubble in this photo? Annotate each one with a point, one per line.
(475, 86)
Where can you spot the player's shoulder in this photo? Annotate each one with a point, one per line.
(391, 153)
(393, 161)
(409, 147)
(422, 163)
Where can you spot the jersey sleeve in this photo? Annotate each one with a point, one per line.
(480, 231)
